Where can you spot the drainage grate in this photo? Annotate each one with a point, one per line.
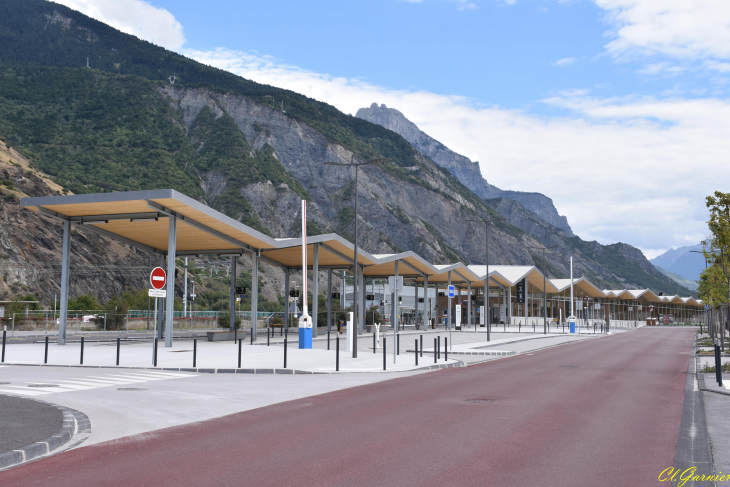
(479, 401)
(132, 389)
(568, 366)
(42, 385)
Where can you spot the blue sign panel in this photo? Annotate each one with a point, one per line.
(452, 291)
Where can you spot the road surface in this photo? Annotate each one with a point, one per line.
(600, 412)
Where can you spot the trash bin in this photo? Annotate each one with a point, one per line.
(571, 320)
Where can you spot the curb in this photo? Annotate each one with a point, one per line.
(76, 428)
(493, 353)
(700, 376)
(457, 363)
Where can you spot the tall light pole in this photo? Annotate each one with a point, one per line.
(486, 278)
(544, 288)
(356, 324)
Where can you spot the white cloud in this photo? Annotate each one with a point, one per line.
(622, 169)
(677, 28)
(135, 17)
(566, 61)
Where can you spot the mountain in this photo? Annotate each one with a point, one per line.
(463, 168)
(683, 281)
(683, 261)
(142, 117)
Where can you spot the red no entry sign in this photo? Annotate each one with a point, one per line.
(158, 278)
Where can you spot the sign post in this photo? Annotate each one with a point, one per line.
(158, 280)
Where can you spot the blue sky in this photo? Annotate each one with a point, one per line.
(616, 109)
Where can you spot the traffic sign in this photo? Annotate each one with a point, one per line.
(157, 293)
(452, 291)
(158, 278)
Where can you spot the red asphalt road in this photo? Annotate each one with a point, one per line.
(611, 420)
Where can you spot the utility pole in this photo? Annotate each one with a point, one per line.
(356, 324)
(544, 288)
(486, 277)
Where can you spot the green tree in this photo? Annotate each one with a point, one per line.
(716, 283)
(83, 303)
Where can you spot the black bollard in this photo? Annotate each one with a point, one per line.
(251, 331)
(374, 343)
(397, 351)
(235, 335)
(154, 361)
(416, 352)
(438, 349)
(446, 349)
(285, 352)
(119, 343)
(239, 353)
(718, 365)
(268, 338)
(81, 361)
(519, 326)
(337, 360)
(195, 351)
(383, 353)
(328, 338)
(434, 350)
(4, 336)
(45, 359)
(421, 348)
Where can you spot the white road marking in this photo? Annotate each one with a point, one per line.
(92, 382)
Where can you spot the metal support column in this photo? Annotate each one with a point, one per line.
(329, 299)
(286, 299)
(415, 283)
(65, 260)
(254, 294)
(468, 307)
(315, 288)
(426, 303)
(363, 294)
(171, 243)
(396, 312)
(448, 295)
(232, 295)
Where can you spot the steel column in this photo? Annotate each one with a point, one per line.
(315, 288)
(448, 306)
(255, 294)
(468, 307)
(232, 295)
(65, 260)
(171, 243)
(329, 299)
(416, 300)
(286, 299)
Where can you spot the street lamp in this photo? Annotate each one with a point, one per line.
(356, 165)
(486, 278)
(544, 288)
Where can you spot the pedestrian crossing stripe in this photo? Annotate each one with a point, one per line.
(89, 382)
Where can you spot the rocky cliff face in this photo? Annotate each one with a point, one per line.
(463, 168)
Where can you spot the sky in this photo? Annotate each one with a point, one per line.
(618, 110)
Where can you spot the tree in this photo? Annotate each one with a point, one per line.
(716, 283)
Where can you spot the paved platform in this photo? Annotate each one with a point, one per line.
(24, 421)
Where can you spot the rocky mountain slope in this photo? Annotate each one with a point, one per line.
(463, 168)
(144, 118)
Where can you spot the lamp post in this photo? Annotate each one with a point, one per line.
(356, 165)
(544, 288)
(486, 278)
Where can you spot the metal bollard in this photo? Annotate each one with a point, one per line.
(119, 342)
(235, 335)
(383, 353)
(421, 346)
(718, 364)
(337, 355)
(374, 344)
(446, 349)
(81, 361)
(154, 361)
(252, 336)
(4, 337)
(416, 352)
(195, 351)
(45, 359)
(438, 349)
(268, 338)
(434, 350)
(285, 352)
(397, 351)
(240, 342)
(328, 338)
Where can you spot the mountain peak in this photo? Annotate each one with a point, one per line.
(466, 170)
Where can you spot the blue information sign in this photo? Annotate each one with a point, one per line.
(452, 291)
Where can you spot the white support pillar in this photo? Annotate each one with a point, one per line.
(315, 289)
(254, 293)
(426, 303)
(396, 312)
(171, 243)
(65, 260)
